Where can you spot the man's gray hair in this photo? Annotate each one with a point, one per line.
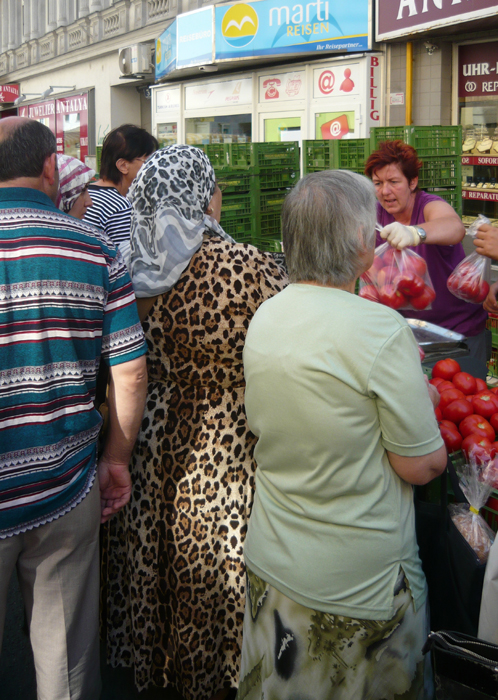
(328, 223)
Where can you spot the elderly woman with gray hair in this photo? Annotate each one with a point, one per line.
(336, 598)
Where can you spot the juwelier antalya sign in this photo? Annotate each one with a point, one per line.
(270, 27)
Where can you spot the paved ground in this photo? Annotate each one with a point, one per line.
(17, 678)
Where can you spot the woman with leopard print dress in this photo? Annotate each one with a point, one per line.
(174, 557)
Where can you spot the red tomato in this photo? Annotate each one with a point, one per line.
(448, 397)
(450, 424)
(410, 284)
(469, 397)
(390, 257)
(423, 300)
(369, 292)
(446, 369)
(435, 381)
(481, 384)
(480, 448)
(386, 276)
(444, 386)
(457, 410)
(483, 292)
(416, 264)
(477, 425)
(438, 414)
(485, 404)
(451, 437)
(390, 297)
(465, 382)
(494, 421)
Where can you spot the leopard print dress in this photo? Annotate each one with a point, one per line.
(173, 558)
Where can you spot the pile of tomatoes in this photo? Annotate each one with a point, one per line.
(468, 411)
(467, 282)
(397, 282)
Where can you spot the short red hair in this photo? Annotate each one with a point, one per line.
(397, 152)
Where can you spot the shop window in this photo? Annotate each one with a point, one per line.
(71, 127)
(223, 129)
(283, 129)
(334, 125)
(167, 134)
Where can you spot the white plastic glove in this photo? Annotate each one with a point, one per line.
(400, 236)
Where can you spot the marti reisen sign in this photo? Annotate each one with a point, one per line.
(397, 18)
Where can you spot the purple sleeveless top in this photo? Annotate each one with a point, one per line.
(447, 311)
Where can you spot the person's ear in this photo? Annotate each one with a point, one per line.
(50, 168)
(413, 184)
(123, 166)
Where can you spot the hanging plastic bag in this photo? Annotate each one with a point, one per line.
(470, 278)
(474, 481)
(398, 279)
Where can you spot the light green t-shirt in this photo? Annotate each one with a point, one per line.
(333, 381)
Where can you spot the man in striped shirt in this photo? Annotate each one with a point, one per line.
(66, 302)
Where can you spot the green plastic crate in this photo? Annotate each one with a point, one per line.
(272, 245)
(346, 154)
(235, 206)
(452, 196)
(440, 172)
(273, 179)
(378, 134)
(236, 182)
(430, 141)
(492, 324)
(263, 156)
(216, 152)
(272, 200)
(98, 155)
(270, 225)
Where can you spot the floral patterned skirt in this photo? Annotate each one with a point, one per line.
(291, 652)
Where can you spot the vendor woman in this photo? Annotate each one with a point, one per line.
(429, 225)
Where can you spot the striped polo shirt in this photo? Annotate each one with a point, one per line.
(66, 300)
(110, 211)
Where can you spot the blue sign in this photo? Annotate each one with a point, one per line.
(270, 27)
(166, 52)
(195, 38)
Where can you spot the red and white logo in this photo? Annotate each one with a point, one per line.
(335, 128)
(326, 82)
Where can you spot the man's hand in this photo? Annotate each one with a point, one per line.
(400, 236)
(486, 241)
(490, 304)
(115, 487)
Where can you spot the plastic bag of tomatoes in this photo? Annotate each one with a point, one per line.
(470, 278)
(398, 279)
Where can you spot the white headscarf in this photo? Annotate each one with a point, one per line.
(74, 176)
(169, 199)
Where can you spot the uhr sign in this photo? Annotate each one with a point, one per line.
(478, 69)
(9, 93)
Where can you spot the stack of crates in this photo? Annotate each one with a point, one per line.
(98, 155)
(333, 154)
(254, 178)
(438, 148)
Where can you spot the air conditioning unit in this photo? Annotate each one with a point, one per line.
(135, 59)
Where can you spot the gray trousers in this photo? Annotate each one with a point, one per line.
(58, 571)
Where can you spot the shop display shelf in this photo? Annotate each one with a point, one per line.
(452, 196)
(440, 172)
(273, 179)
(431, 141)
